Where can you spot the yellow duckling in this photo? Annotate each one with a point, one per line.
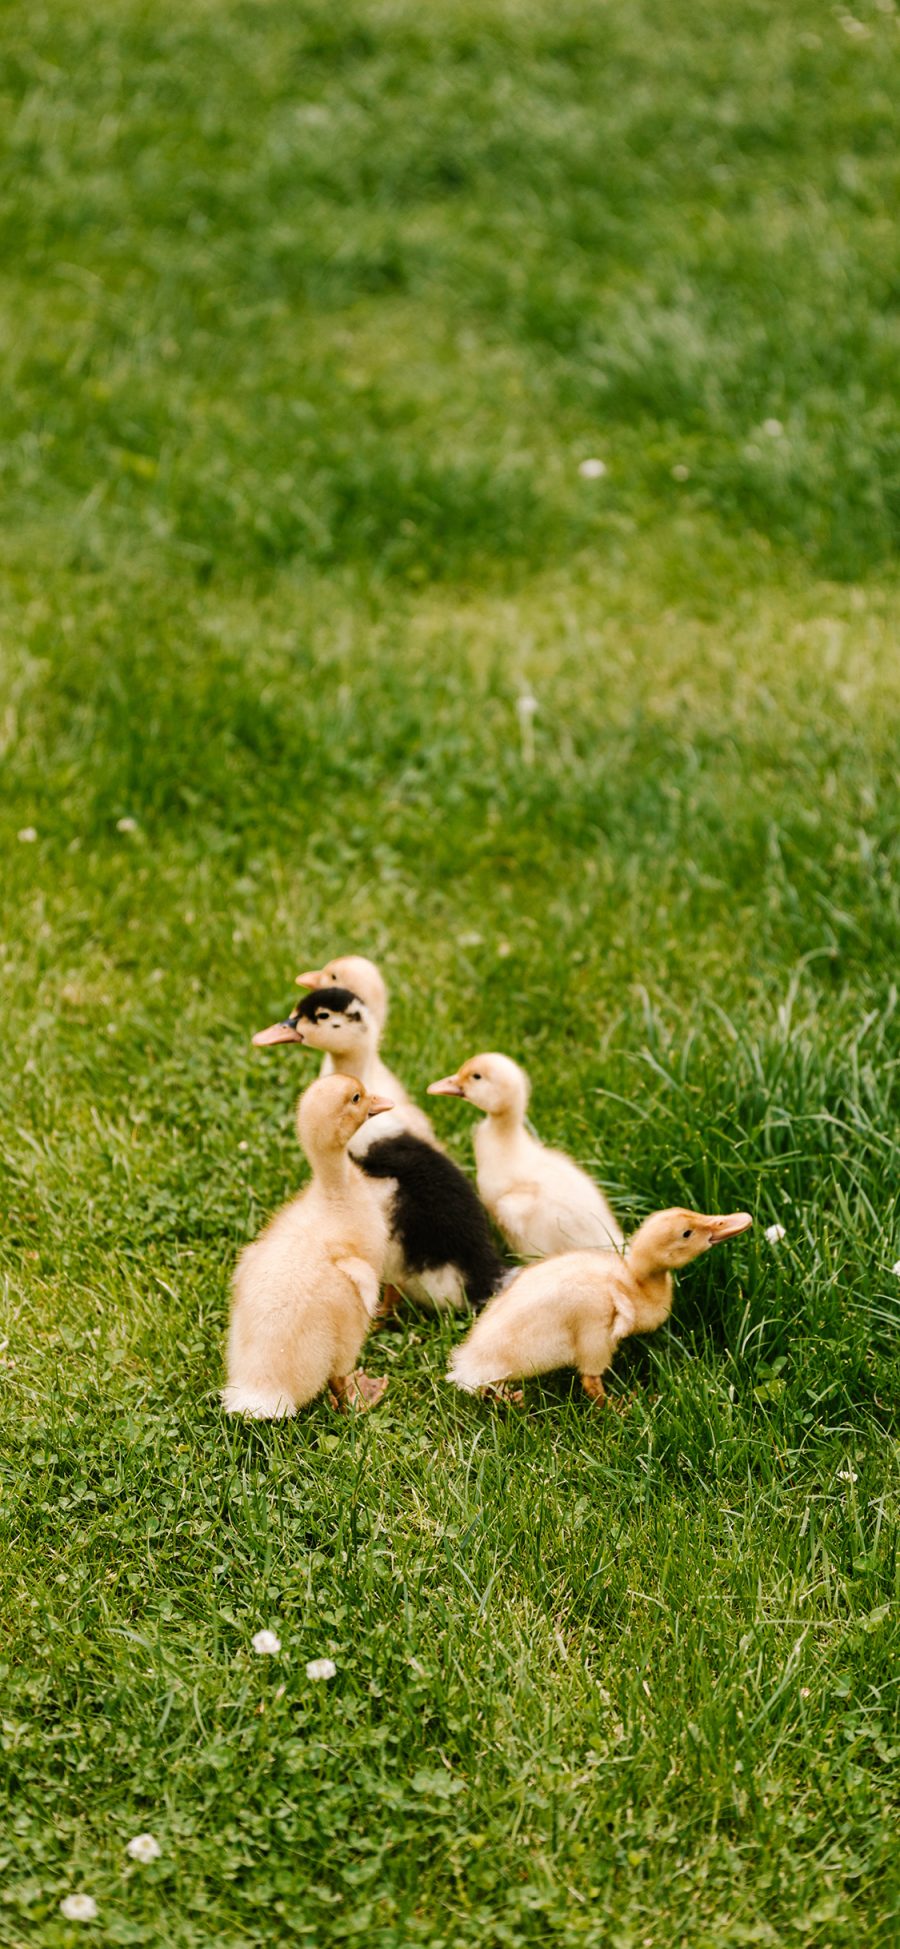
(573, 1310)
(305, 1291)
(541, 1199)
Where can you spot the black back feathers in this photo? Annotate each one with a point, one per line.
(328, 1001)
(436, 1215)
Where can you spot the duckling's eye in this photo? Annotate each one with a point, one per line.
(686, 1234)
(476, 1075)
(356, 1097)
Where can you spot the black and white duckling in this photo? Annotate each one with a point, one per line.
(306, 1291)
(360, 975)
(573, 1310)
(341, 1024)
(541, 1199)
(441, 1252)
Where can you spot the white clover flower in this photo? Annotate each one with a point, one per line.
(319, 1668)
(144, 1847)
(526, 707)
(773, 428)
(896, 1269)
(592, 469)
(680, 471)
(266, 1644)
(775, 1234)
(127, 825)
(78, 1908)
(847, 1475)
(28, 835)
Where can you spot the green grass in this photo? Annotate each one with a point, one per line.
(309, 314)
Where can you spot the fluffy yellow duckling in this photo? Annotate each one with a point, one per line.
(573, 1310)
(305, 1291)
(541, 1199)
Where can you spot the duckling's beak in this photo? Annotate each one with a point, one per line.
(311, 980)
(729, 1227)
(377, 1104)
(279, 1032)
(448, 1086)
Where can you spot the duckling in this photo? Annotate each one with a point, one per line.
(355, 972)
(338, 1021)
(574, 1309)
(542, 1201)
(440, 1251)
(305, 1291)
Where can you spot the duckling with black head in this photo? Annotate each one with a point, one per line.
(441, 1252)
(358, 973)
(339, 1023)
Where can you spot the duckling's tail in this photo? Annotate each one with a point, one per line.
(260, 1403)
(471, 1369)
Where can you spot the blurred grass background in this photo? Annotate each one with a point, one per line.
(309, 320)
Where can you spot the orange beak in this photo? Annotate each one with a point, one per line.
(728, 1227)
(448, 1086)
(311, 980)
(279, 1032)
(377, 1104)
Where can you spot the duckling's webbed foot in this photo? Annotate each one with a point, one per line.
(513, 1397)
(616, 1403)
(358, 1391)
(387, 1312)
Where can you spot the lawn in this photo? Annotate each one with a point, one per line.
(311, 314)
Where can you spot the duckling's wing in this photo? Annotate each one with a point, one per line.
(531, 1326)
(584, 1220)
(518, 1214)
(587, 1225)
(363, 1278)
